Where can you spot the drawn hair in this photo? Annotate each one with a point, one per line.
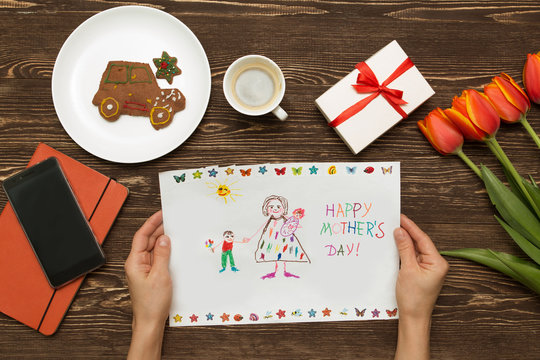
(281, 199)
(228, 232)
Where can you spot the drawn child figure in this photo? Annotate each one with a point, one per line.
(278, 242)
(226, 251)
(292, 223)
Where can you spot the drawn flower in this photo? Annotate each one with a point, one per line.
(531, 77)
(508, 98)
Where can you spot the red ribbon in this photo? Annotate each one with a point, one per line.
(367, 82)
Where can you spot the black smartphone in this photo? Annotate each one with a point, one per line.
(53, 222)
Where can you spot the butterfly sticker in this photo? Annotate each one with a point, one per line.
(297, 171)
(180, 178)
(280, 171)
(245, 172)
(268, 315)
(386, 170)
(351, 170)
(391, 313)
(360, 313)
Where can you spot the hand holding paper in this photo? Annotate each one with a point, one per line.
(418, 285)
(422, 271)
(150, 287)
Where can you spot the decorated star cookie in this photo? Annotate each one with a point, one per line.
(166, 67)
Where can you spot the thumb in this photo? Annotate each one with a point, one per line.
(405, 246)
(162, 253)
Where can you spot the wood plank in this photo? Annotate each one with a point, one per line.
(480, 314)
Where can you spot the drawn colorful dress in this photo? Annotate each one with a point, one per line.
(279, 243)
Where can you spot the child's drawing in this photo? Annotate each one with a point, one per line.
(323, 227)
(278, 242)
(223, 190)
(226, 250)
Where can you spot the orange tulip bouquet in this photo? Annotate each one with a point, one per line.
(476, 116)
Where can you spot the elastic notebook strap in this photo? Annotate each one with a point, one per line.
(99, 200)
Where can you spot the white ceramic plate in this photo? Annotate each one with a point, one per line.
(130, 33)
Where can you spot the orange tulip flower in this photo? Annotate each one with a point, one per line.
(531, 77)
(508, 98)
(443, 135)
(474, 115)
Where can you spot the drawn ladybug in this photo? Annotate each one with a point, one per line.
(369, 170)
(238, 317)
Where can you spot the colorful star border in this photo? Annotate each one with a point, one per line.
(263, 170)
(311, 314)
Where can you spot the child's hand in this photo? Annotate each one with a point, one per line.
(246, 239)
(422, 271)
(419, 282)
(150, 287)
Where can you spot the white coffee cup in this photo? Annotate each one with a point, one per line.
(254, 85)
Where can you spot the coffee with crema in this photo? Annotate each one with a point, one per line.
(255, 86)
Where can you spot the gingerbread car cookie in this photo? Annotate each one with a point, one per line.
(131, 88)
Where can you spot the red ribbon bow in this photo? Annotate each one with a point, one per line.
(367, 82)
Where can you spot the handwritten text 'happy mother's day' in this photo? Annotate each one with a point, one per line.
(347, 221)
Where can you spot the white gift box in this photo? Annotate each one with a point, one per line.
(378, 116)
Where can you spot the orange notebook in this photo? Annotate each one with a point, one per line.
(25, 294)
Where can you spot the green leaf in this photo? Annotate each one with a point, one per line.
(515, 187)
(529, 274)
(533, 182)
(523, 271)
(534, 191)
(481, 256)
(512, 210)
(523, 243)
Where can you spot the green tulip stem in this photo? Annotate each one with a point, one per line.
(468, 161)
(494, 146)
(530, 130)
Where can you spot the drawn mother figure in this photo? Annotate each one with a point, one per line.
(277, 243)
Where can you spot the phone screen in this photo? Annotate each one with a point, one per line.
(53, 222)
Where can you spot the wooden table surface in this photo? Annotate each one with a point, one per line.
(456, 45)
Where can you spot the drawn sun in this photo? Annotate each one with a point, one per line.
(224, 190)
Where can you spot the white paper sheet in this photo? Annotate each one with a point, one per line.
(331, 256)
